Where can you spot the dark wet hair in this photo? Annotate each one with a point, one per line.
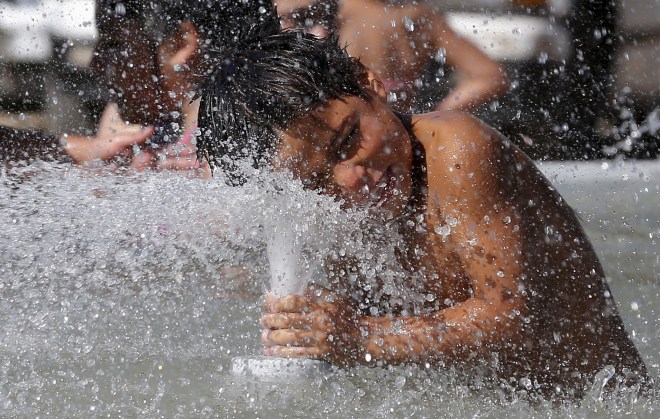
(126, 57)
(262, 80)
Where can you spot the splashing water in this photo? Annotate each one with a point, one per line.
(128, 296)
(285, 231)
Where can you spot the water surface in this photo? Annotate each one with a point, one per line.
(124, 296)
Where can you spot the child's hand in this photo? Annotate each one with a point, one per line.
(113, 138)
(182, 157)
(319, 325)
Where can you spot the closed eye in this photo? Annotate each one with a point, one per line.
(349, 145)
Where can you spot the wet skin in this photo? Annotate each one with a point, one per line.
(518, 276)
(380, 35)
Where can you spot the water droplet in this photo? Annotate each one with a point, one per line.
(408, 24)
(443, 230)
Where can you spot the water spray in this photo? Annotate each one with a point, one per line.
(289, 275)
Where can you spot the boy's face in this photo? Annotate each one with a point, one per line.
(355, 149)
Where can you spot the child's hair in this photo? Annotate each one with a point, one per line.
(262, 79)
(130, 32)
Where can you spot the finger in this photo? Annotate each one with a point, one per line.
(142, 161)
(294, 304)
(179, 164)
(269, 301)
(292, 337)
(295, 352)
(204, 171)
(287, 304)
(285, 321)
(127, 139)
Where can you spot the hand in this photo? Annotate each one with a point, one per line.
(319, 325)
(182, 157)
(113, 138)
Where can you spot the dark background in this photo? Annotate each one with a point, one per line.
(589, 88)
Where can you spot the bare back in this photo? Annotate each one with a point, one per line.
(523, 247)
(392, 40)
(399, 42)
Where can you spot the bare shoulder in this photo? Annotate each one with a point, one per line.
(455, 135)
(465, 158)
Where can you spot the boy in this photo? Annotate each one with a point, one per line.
(518, 282)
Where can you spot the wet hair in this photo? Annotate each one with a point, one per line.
(126, 58)
(261, 80)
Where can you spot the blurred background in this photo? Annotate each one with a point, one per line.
(585, 73)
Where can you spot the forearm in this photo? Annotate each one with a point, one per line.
(472, 93)
(448, 336)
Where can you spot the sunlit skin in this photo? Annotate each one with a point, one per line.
(517, 275)
(376, 32)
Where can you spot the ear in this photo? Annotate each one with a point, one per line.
(375, 84)
(370, 80)
(180, 47)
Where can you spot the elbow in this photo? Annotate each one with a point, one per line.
(511, 324)
(500, 82)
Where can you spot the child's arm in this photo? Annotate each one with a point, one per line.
(480, 79)
(112, 138)
(469, 184)
(466, 182)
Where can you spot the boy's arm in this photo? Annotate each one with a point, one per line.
(480, 78)
(467, 184)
